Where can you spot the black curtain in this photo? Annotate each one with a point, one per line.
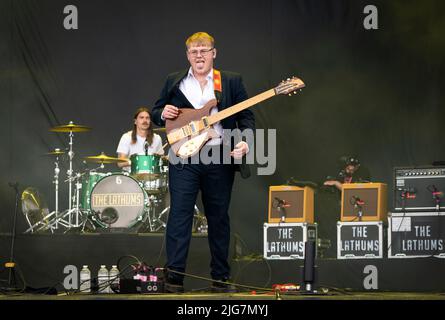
(375, 94)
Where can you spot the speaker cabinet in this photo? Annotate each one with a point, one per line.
(364, 202)
(291, 204)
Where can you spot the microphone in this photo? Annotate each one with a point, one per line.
(436, 193)
(408, 192)
(358, 201)
(146, 147)
(282, 204)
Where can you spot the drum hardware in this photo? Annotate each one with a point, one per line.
(103, 158)
(199, 220)
(155, 222)
(35, 209)
(75, 209)
(78, 207)
(57, 153)
(71, 128)
(148, 172)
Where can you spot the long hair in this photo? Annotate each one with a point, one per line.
(149, 136)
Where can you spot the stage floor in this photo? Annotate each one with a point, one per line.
(42, 258)
(235, 296)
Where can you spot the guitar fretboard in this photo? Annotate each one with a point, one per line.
(241, 106)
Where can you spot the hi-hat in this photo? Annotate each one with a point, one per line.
(70, 127)
(103, 158)
(56, 152)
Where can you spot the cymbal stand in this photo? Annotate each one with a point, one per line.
(56, 187)
(70, 175)
(197, 219)
(56, 211)
(152, 219)
(74, 209)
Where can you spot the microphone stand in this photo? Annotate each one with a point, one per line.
(358, 204)
(11, 265)
(360, 212)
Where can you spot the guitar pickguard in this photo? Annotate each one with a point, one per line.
(188, 147)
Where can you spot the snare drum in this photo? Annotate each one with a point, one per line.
(119, 201)
(146, 167)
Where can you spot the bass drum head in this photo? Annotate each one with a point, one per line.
(118, 201)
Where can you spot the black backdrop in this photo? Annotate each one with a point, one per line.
(373, 93)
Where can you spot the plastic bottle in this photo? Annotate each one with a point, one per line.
(85, 280)
(103, 280)
(114, 279)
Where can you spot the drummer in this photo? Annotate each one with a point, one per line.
(141, 140)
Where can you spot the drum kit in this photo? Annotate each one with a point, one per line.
(100, 201)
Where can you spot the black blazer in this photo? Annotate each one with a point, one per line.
(233, 92)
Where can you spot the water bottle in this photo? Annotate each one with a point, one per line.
(85, 280)
(114, 279)
(103, 280)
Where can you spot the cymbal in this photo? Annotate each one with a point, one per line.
(103, 158)
(56, 152)
(159, 130)
(70, 127)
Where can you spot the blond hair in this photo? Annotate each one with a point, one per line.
(200, 38)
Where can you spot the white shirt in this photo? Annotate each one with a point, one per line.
(191, 88)
(127, 148)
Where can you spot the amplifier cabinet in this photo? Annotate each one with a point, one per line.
(291, 204)
(419, 189)
(416, 235)
(364, 202)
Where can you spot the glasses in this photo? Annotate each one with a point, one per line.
(202, 52)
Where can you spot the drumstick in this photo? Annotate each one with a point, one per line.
(164, 145)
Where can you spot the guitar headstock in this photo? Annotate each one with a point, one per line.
(289, 86)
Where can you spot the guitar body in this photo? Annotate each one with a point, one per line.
(189, 146)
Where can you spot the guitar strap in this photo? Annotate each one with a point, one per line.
(217, 84)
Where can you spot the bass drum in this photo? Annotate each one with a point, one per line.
(88, 183)
(118, 202)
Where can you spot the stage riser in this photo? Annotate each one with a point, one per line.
(42, 259)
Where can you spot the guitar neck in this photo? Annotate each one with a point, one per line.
(241, 106)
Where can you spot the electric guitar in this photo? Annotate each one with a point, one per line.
(188, 132)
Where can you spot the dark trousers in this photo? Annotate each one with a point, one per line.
(215, 182)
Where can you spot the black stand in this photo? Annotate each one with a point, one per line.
(11, 265)
(309, 268)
